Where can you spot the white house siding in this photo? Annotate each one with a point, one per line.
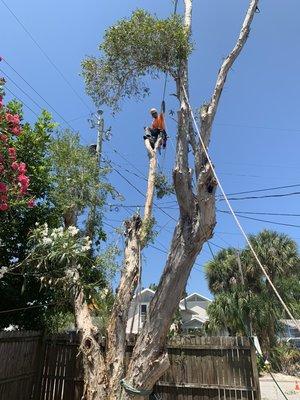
(192, 309)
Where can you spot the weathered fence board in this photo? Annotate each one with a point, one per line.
(19, 364)
(202, 368)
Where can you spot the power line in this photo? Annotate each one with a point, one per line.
(262, 197)
(45, 55)
(263, 190)
(35, 91)
(265, 213)
(23, 91)
(261, 220)
(30, 109)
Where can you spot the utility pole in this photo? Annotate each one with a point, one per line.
(96, 121)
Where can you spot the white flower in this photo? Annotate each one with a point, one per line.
(86, 247)
(3, 270)
(73, 230)
(58, 232)
(45, 231)
(47, 240)
(65, 245)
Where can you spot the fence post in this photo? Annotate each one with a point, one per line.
(255, 371)
(39, 368)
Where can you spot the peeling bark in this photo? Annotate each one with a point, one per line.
(95, 374)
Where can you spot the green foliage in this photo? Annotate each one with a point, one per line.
(147, 233)
(16, 290)
(75, 175)
(238, 307)
(162, 186)
(286, 358)
(131, 49)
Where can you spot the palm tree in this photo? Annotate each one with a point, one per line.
(244, 301)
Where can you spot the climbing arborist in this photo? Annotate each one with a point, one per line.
(158, 127)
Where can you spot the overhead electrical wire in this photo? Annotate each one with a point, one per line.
(261, 220)
(45, 54)
(21, 101)
(38, 94)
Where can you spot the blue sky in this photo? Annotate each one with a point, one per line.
(256, 136)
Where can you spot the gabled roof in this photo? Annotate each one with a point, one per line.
(196, 295)
(144, 291)
(194, 321)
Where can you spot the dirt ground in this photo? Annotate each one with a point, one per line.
(269, 390)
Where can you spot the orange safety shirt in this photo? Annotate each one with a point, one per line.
(159, 122)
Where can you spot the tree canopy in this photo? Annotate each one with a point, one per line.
(132, 49)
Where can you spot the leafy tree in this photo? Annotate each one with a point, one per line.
(132, 49)
(30, 144)
(244, 300)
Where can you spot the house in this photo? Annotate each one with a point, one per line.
(290, 333)
(192, 310)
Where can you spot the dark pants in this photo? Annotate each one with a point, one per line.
(155, 134)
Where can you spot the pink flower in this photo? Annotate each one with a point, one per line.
(3, 206)
(31, 203)
(16, 130)
(4, 197)
(15, 166)
(12, 118)
(3, 187)
(22, 168)
(3, 138)
(1, 101)
(24, 182)
(1, 168)
(12, 152)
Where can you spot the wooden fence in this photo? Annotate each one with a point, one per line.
(202, 368)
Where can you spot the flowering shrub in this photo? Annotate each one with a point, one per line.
(14, 182)
(62, 257)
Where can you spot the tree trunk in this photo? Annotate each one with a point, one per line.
(95, 374)
(137, 235)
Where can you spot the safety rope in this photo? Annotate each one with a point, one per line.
(234, 215)
(134, 391)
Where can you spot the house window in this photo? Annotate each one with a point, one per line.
(143, 313)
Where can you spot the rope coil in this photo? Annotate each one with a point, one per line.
(134, 391)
